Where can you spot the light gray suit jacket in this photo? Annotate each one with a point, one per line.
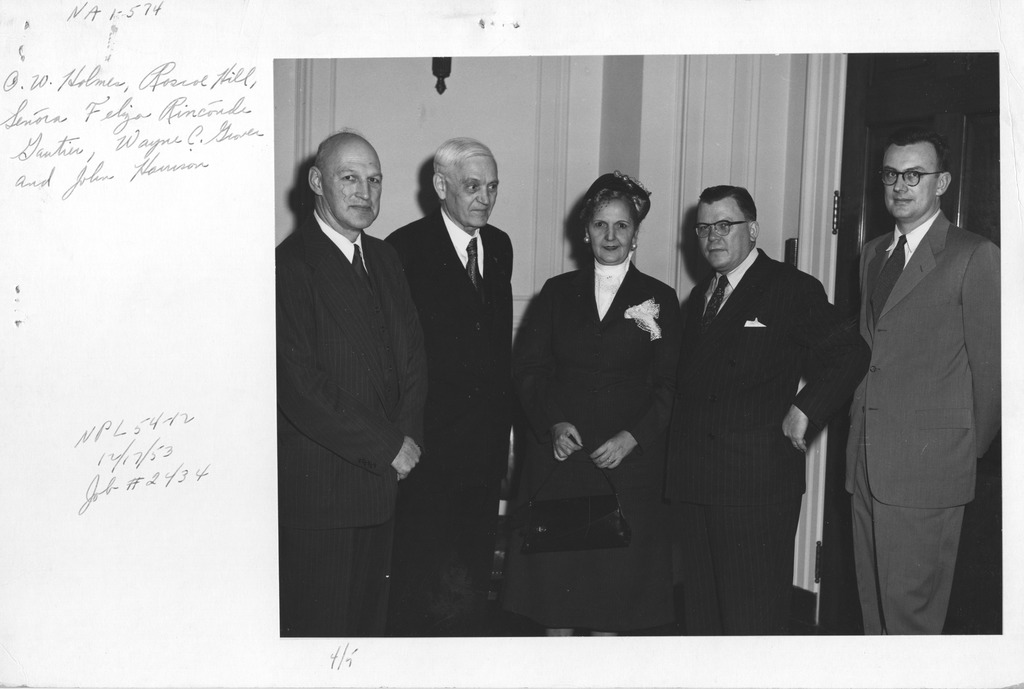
(930, 403)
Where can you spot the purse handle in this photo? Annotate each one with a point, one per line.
(555, 468)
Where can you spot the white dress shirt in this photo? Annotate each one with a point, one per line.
(607, 280)
(460, 240)
(735, 275)
(341, 241)
(914, 238)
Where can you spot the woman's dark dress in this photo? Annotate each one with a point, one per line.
(603, 377)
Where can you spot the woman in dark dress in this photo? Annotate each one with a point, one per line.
(595, 366)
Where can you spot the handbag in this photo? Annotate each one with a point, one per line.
(582, 523)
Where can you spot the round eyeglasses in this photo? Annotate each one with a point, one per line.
(910, 177)
(721, 228)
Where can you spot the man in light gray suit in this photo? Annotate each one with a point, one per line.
(929, 405)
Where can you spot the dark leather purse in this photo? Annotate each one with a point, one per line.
(582, 523)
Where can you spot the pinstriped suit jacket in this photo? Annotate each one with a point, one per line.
(930, 404)
(736, 384)
(339, 424)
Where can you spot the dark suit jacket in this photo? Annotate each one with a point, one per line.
(468, 343)
(930, 404)
(601, 375)
(737, 381)
(351, 381)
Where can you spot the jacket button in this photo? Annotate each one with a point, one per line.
(712, 398)
(873, 369)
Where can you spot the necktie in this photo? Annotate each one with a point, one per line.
(472, 270)
(714, 303)
(360, 269)
(888, 277)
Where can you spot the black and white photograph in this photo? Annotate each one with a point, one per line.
(377, 346)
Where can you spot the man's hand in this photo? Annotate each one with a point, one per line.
(565, 440)
(614, 450)
(408, 456)
(794, 427)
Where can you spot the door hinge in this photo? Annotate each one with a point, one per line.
(817, 563)
(835, 212)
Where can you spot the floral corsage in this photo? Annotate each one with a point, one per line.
(645, 315)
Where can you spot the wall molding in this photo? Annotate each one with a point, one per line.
(822, 157)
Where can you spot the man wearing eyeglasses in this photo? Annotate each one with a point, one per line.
(741, 426)
(930, 403)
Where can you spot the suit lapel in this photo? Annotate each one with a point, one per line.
(627, 295)
(733, 313)
(452, 269)
(493, 272)
(583, 290)
(586, 293)
(345, 299)
(920, 264)
(874, 268)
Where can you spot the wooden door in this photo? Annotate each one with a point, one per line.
(957, 95)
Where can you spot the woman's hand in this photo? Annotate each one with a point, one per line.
(565, 440)
(611, 454)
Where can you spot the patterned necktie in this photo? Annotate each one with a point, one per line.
(360, 269)
(888, 277)
(472, 270)
(714, 303)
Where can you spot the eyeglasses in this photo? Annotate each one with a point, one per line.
(721, 228)
(911, 177)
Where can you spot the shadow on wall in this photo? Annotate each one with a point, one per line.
(572, 228)
(300, 196)
(694, 263)
(426, 197)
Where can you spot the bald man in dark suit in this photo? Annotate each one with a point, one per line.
(351, 385)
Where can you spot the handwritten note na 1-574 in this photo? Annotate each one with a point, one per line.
(85, 125)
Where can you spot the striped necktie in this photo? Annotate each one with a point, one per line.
(472, 270)
(714, 303)
(360, 269)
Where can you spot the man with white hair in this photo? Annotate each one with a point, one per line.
(459, 269)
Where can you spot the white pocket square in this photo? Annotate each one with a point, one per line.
(754, 324)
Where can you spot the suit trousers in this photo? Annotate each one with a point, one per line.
(334, 582)
(737, 565)
(444, 552)
(904, 558)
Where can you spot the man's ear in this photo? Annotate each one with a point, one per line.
(755, 229)
(440, 185)
(945, 179)
(316, 181)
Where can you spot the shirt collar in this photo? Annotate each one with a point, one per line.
(737, 273)
(915, 236)
(340, 240)
(460, 238)
(619, 271)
